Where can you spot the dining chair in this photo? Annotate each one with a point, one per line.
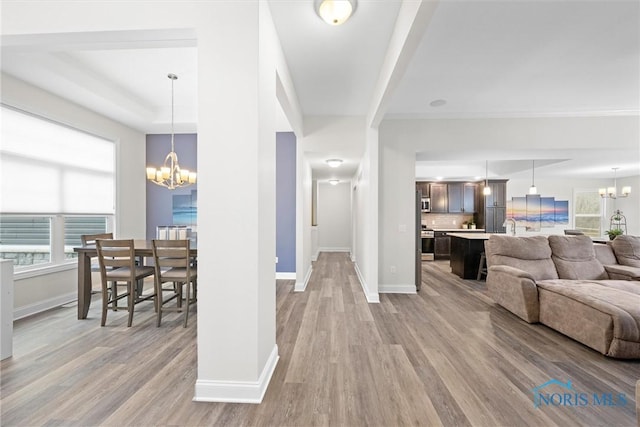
(118, 264)
(90, 240)
(173, 264)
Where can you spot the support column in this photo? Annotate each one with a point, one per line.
(237, 351)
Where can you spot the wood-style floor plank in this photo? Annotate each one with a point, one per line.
(446, 356)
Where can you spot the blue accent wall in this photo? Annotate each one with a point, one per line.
(160, 199)
(286, 202)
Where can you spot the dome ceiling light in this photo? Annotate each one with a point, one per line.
(334, 163)
(335, 12)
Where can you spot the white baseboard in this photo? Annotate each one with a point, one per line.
(370, 296)
(314, 257)
(38, 307)
(300, 287)
(238, 391)
(397, 289)
(285, 276)
(325, 249)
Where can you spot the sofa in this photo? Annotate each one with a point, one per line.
(585, 290)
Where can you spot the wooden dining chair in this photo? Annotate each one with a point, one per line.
(90, 240)
(173, 264)
(118, 264)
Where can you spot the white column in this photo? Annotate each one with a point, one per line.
(237, 351)
(6, 309)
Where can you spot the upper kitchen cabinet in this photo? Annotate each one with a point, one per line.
(462, 197)
(439, 198)
(492, 215)
(423, 187)
(498, 196)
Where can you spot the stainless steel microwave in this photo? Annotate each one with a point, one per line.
(426, 204)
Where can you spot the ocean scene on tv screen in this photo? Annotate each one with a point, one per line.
(185, 208)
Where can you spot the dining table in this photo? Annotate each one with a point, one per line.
(142, 249)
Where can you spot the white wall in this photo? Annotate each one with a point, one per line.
(334, 217)
(365, 221)
(401, 139)
(33, 294)
(305, 233)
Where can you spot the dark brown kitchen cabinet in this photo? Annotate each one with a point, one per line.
(439, 199)
(498, 196)
(462, 197)
(423, 187)
(442, 245)
(495, 207)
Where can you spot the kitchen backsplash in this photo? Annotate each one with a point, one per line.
(435, 220)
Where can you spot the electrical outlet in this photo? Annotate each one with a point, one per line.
(454, 222)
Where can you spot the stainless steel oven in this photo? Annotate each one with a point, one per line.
(428, 245)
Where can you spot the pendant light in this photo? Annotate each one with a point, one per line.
(612, 192)
(486, 190)
(533, 189)
(170, 175)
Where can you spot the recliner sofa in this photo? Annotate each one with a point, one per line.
(589, 292)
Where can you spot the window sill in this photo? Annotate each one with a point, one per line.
(44, 270)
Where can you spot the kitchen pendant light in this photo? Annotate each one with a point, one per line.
(486, 190)
(533, 189)
(170, 175)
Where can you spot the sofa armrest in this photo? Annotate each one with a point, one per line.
(622, 272)
(515, 290)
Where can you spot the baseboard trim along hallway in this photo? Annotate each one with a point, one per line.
(238, 391)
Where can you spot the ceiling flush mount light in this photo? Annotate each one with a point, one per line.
(486, 190)
(334, 163)
(335, 12)
(612, 192)
(170, 175)
(533, 189)
(334, 181)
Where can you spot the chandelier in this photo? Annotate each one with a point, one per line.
(612, 192)
(170, 175)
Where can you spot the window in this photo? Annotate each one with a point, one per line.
(588, 212)
(56, 184)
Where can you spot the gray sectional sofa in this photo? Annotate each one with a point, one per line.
(589, 292)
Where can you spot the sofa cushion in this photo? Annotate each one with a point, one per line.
(575, 258)
(605, 253)
(604, 315)
(627, 250)
(531, 254)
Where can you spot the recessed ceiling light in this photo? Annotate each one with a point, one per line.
(334, 163)
(438, 102)
(334, 181)
(439, 178)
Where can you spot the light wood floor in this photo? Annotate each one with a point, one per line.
(447, 356)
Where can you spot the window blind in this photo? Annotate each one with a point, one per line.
(50, 168)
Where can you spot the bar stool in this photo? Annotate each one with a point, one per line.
(482, 268)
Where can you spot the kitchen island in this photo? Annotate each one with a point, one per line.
(465, 253)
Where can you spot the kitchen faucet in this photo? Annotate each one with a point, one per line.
(511, 222)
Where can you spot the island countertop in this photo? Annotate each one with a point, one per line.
(472, 236)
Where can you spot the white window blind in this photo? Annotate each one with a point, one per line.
(49, 168)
